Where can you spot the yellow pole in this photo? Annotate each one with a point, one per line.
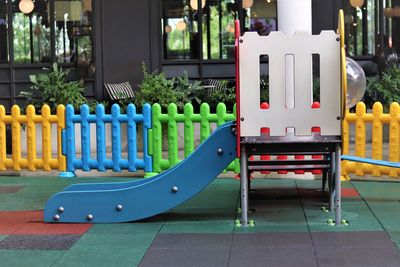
(62, 165)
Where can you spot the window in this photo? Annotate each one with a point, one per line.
(372, 28)
(55, 31)
(204, 29)
(3, 32)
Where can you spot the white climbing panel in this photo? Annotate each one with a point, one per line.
(300, 47)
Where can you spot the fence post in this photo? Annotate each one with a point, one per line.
(377, 133)
(157, 138)
(100, 137)
(116, 137)
(147, 125)
(31, 137)
(394, 138)
(85, 137)
(46, 137)
(173, 157)
(360, 135)
(132, 137)
(204, 124)
(16, 137)
(189, 129)
(69, 142)
(60, 127)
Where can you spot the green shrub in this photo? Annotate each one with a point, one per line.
(384, 88)
(53, 89)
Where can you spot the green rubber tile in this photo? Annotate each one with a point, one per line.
(378, 191)
(274, 183)
(22, 201)
(100, 257)
(2, 237)
(126, 228)
(107, 250)
(390, 224)
(358, 221)
(201, 226)
(21, 258)
(201, 214)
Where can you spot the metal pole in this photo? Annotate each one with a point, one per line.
(331, 183)
(338, 189)
(243, 185)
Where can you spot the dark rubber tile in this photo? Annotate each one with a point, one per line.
(271, 240)
(10, 188)
(366, 240)
(193, 241)
(357, 257)
(276, 257)
(186, 257)
(39, 242)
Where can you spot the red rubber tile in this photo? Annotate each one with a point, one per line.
(9, 227)
(350, 192)
(21, 216)
(10, 188)
(41, 228)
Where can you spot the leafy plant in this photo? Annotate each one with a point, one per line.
(53, 89)
(186, 91)
(155, 88)
(384, 88)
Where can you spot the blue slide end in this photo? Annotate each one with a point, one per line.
(131, 201)
(371, 161)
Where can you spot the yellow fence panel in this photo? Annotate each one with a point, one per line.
(377, 119)
(32, 161)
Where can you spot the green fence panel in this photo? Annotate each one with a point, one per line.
(170, 122)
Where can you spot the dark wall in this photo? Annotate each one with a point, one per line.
(324, 15)
(125, 40)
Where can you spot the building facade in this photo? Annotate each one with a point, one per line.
(107, 41)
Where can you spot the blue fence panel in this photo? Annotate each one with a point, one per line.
(101, 163)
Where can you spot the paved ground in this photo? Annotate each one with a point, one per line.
(290, 229)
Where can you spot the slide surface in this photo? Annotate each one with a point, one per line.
(130, 201)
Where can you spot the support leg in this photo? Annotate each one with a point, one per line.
(338, 189)
(324, 179)
(331, 182)
(244, 194)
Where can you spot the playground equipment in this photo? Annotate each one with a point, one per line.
(120, 202)
(290, 125)
(356, 83)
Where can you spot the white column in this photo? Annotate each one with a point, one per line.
(293, 15)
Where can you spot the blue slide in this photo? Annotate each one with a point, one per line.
(135, 200)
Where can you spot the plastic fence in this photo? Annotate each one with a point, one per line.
(376, 120)
(101, 162)
(30, 121)
(188, 118)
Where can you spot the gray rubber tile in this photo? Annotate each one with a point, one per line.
(352, 240)
(11, 188)
(272, 240)
(276, 257)
(357, 257)
(185, 257)
(192, 241)
(39, 242)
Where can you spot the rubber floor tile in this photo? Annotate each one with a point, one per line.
(206, 226)
(272, 227)
(42, 228)
(271, 240)
(276, 257)
(186, 257)
(21, 216)
(10, 188)
(125, 228)
(39, 242)
(22, 258)
(368, 240)
(350, 193)
(9, 228)
(193, 241)
(357, 257)
(100, 257)
(2, 237)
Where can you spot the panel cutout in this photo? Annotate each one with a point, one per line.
(316, 89)
(289, 82)
(264, 79)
